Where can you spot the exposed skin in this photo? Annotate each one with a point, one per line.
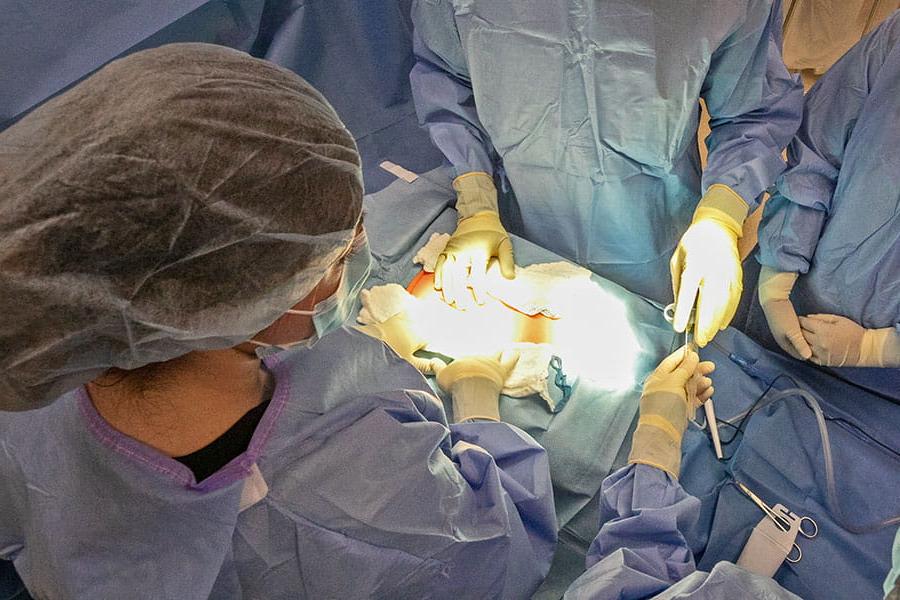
(184, 404)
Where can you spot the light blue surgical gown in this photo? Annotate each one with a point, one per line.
(835, 218)
(643, 549)
(370, 495)
(591, 109)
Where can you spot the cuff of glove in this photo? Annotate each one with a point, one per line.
(723, 204)
(475, 193)
(880, 348)
(775, 285)
(656, 445)
(470, 368)
(476, 399)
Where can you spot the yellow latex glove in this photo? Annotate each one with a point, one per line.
(475, 383)
(775, 298)
(706, 266)
(677, 387)
(841, 342)
(403, 338)
(478, 238)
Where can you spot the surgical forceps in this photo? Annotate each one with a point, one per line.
(785, 520)
(708, 407)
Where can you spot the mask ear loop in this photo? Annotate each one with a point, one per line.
(293, 311)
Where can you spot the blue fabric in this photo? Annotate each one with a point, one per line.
(370, 495)
(47, 46)
(356, 52)
(593, 110)
(584, 438)
(779, 457)
(836, 215)
(644, 548)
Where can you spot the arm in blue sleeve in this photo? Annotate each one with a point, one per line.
(474, 500)
(524, 473)
(794, 216)
(442, 90)
(643, 546)
(754, 105)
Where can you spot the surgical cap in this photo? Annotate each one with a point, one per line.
(179, 199)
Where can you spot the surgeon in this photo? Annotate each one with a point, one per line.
(649, 522)
(163, 222)
(830, 237)
(589, 112)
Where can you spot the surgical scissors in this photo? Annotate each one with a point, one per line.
(785, 519)
(708, 408)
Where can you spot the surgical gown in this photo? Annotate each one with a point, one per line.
(644, 550)
(590, 111)
(357, 489)
(835, 218)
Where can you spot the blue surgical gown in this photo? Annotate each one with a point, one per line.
(644, 548)
(591, 109)
(835, 218)
(370, 495)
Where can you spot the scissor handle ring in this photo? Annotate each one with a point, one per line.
(794, 561)
(813, 532)
(669, 313)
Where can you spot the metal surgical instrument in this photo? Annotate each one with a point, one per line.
(785, 520)
(708, 407)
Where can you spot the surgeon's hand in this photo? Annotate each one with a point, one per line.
(403, 338)
(678, 386)
(835, 341)
(775, 298)
(475, 383)
(841, 342)
(706, 266)
(479, 237)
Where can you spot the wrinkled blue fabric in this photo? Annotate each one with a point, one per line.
(779, 457)
(46, 46)
(836, 215)
(370, 496)
(358, 53)
(645, 546)
(592, 110)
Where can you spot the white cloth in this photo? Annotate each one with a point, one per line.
(540, 288)
(382, 302)
(529, 376)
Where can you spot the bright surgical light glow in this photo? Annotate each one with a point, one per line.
(592, 334)
(595, 337)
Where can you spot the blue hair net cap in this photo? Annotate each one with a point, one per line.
(179, 199)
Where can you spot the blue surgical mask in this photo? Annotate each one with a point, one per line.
(332, 312)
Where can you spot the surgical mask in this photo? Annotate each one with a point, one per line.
(332, 312)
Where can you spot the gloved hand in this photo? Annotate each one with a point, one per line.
(399, 333)
(706, 265)
(775, 298)
(475, 383)
(840, 342)
(478, 238)
(677, 387)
